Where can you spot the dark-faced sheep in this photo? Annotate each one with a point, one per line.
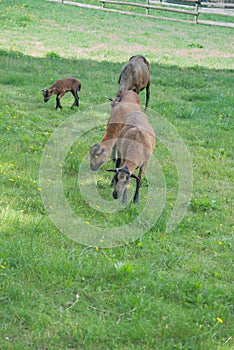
(135, 75)
(135, 145)
(99, 153)
(60, 87)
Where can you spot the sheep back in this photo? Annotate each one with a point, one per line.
(134, 75)
(136, 140)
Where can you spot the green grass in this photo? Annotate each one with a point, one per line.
(164, 290)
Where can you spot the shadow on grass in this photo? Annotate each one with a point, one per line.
(99, 78)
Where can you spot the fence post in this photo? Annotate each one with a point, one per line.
(147, 10)
(198, 3)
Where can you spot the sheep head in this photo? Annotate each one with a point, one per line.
(98, 155)
(46, 95)
(121, 181)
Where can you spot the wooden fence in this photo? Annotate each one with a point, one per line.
(194, 9)
(148, 7)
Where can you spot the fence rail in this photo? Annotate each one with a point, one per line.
(152, 7)
(195, 12)
(197, 9)
(224, 9)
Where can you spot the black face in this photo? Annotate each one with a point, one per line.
(121, 180)
(46, 95)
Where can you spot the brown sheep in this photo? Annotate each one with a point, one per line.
(135, 145)
(99, 153)
(135, 75)
(60, 87)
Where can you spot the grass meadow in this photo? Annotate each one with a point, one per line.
(164, 290)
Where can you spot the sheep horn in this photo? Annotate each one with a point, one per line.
(114, 170)
(109, 98)
(135, 177)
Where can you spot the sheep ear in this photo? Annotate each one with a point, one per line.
(113, 169)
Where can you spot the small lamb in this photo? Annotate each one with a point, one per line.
(60, 87)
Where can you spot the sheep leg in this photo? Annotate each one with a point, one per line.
(58, 104)
(147, 95)
(136, 195)
(118, 160)
(113, 153)
(60, 95)
(138, 185)
(76, 102)
(113, 156)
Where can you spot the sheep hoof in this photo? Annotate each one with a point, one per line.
(136, 200)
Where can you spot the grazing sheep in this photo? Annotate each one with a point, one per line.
(135, 75)
(60, 87)
(135, 145)
(99, 153)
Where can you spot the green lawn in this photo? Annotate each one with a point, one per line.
(163, 290)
